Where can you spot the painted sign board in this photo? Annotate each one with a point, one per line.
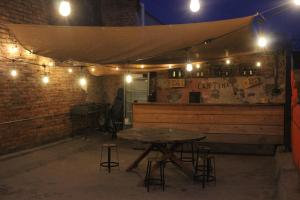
(176, 83)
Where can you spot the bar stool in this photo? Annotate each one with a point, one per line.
(205, 170)
(155, 181)
(187, 156)
(109, 163)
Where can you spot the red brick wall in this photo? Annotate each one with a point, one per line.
(32, 113)
(119, 12)
(296, 119)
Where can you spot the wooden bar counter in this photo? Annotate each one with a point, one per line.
(223, 123)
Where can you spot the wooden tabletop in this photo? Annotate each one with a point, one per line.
(159, 135)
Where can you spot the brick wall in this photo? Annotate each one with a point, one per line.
(32, 113)
(104, 89)
(98, 13)
(119, 12)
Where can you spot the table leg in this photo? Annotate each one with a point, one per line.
(168, 153)
(140, 158)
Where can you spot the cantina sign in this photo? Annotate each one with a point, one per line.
(214, 85)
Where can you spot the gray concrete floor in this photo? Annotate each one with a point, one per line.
(70, 171)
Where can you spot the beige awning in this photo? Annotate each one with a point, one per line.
(149, 44)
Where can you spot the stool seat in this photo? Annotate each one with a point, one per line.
(109, 145)
(187, 156)
(154, 159)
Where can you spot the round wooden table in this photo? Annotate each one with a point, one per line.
(164, 140)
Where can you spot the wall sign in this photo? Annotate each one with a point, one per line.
(214, 85)
(177, 83)
(251, 82)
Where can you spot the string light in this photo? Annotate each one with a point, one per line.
(142, 66)
(195, 5)
(262, 42)
(14, 73)
(13, 49)
(51, 64)
(198, 66)
(45, 78)
(189, 67)
(64, 8)
(117, 68)
(228, 61)
(93, 69)
(297, 2)
(258, 64)
(128, 78)
(170, 66)
(29, 54)
(82, 81)
(70, 70)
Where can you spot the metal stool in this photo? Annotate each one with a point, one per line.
(206, 170)
(187, 156)
(109, 163)
(155, 181)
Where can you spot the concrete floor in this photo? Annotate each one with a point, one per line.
(70, 171)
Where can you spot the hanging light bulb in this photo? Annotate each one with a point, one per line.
(51, 64)
(198, 66)
(29, 54)
(82, 81)
(64, 8)
(258, 64)
(46, 79)
(297, 2)
(195, 5)
(170, 66)
(189, 67)
(228, 61)
(142, 66)
(117, 68)
(13, 49)
(93, 69)
(70, 70)
(128, 78)
(14, 73)
(262, 42)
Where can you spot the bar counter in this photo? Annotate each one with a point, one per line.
(226, 123)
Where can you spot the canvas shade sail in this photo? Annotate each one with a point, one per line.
(148, 44)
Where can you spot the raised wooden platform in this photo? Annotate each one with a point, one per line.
(222, 123)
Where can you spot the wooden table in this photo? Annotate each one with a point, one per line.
(164, 140)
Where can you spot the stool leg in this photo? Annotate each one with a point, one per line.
(109, 158)
(163, 175)
(193, 158)
(204, 172)
(214, 168)
(117, 152)
(197, 163)
(181, 152)
(101, 157)
(149, 176)
(208, 169)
